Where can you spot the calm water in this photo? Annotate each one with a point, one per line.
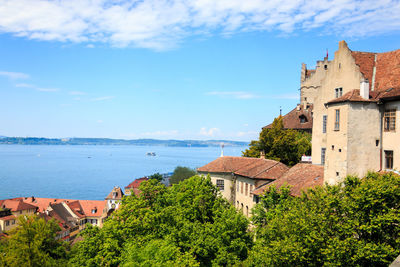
(90, 172)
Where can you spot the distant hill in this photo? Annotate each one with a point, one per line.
(2, 136)
(107, 141)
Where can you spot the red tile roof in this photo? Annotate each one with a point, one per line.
(354, 96)
(292, 119)
(300, 177)
(254, 168)
(43, 203)
(7, 218)
(387, 65)
(15, 205)
(88, 206)
(366, 62)
(136, 183)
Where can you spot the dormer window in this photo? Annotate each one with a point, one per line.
(338, 92)
(94, 210)
(115, 194)
(303, 119)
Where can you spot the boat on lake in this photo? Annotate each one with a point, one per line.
(152, 154)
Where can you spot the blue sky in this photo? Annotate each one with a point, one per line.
(170, 69)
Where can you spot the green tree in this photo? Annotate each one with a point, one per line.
(277, 143)
(181, 173)
(33, 243)
(189, 222)
(354, 223)
(157, 176)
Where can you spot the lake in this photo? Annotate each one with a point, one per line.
(90, 172)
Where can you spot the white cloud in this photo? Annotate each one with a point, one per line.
(237, 95)
(209, 132)
(13, 75)
(25, 85)
(90, 46)
(102, 98)
(161, 24)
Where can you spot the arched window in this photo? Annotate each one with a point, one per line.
(303, 119)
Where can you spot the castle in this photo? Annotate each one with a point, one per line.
(350, 105)
(354, 100)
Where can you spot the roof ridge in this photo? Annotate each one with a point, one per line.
(267, 169)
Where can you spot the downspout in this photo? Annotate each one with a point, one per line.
(380, 135)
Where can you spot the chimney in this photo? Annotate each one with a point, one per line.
(364, 89)
(262, 154)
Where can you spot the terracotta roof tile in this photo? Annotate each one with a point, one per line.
(354, 96)
(366, 62)
(387, 70)
(387, 65)
(89, 206)
(7, 218)
(300, 177)
(136, 183)
(254, 168)
(292, 120)
(15, 205)
(43, 203)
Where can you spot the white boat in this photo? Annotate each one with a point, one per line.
(151, 154)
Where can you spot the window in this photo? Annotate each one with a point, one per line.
(247, 189)
(303, 119)
(241, 206)
(390, 120)
(237, 186)
(323, 150)
(7, 223)
(325, 67)
(389, 159)
(324, 119)
(338, 92)
(220, 184)
(251, 190)
(337, 120)
(13, 222)
(247, 211)
(237, 204)
(241, 187)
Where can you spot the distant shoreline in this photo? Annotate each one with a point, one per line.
(109, 141)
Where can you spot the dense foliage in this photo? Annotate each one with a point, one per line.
(33, 243)
(277, 143)
(181, 173)
(158, 176)
(186, 224)
(355, 223)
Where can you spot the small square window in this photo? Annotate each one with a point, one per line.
(220, 184)
(338, 92)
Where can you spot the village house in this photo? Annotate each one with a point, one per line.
(10, 210)
(113, 199)
(238, 177)
(133, 188)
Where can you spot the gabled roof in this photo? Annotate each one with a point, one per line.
(136, 183)
(300, 177)
(292, 120)
(255, 168)
(92, 208)
(62, 214)
(42, 203)
(15, 205)
(116, 194)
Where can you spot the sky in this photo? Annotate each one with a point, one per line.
(170, 69)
